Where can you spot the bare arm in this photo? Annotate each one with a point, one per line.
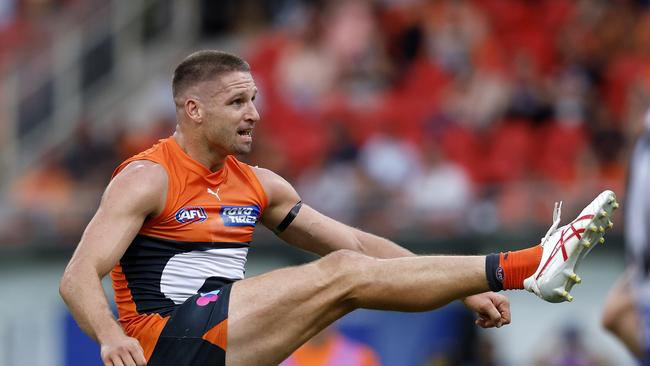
(315, 232)
(133, 195)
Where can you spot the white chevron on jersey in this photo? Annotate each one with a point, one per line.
(185, 273)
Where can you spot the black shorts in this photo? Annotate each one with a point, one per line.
(196, 332)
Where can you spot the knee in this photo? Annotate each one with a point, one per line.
(346, 269)
(344, 263)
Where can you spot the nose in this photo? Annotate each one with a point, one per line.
(252, 115)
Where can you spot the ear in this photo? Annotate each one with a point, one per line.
(193, 110)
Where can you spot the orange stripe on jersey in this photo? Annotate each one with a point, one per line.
(145, 328)
(123, 299)
(218, 335)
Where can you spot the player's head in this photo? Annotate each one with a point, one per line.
(214, 93)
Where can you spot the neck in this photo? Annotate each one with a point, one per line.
(199, 150)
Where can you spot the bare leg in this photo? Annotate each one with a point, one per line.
(273, 314)
(621, 316)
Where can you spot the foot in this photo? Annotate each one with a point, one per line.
(564, 248)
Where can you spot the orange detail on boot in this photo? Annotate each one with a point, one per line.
(519, 265)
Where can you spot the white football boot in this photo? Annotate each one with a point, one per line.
(564, 248)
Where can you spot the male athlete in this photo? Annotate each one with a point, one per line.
(175, 223)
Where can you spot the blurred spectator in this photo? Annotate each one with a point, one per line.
(439, 197)
(131, 140)
(528, 94)
(477, 98)
(46, 188)
(330, 348)
(44, 199)
(333, 183)
(307, 71)
(453, 29)
(332, 189)
(388, 164)
(570, 350)
(389, 161)
(571, 96)
(89, 158)
(351, 37)
(454, 340)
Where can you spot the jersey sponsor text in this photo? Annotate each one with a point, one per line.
(240, 215)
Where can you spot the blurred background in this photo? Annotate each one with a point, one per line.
(447, 126)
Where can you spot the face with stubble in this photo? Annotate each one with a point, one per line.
(228, 114)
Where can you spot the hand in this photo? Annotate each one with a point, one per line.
(122, 351)
(492, 309)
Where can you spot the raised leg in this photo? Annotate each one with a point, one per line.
(273, 314)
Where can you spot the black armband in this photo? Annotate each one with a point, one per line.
(289, 218)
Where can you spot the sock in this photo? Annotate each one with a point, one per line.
(507, 271)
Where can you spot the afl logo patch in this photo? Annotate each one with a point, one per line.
(240, 215)
(500, 274)
(191, 214)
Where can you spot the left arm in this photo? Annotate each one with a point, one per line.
(320, 234)
(317, 233)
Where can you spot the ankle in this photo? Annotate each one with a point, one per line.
(508, 270)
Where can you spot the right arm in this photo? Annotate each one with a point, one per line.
(136, 193)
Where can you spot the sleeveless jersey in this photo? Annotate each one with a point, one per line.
(199, 241)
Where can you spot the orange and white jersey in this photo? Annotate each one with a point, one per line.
(199, 240)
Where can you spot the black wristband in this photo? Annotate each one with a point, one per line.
(493, 272)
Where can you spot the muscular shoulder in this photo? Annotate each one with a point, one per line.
(281, 196)
(141, 185)
(277, 188)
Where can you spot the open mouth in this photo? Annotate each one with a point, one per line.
(245, 132)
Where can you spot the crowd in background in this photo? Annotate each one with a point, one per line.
(24, 25)
(401, 117)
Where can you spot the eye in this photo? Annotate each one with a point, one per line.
(237, 102)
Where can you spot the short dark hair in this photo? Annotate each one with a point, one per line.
(204, 66)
